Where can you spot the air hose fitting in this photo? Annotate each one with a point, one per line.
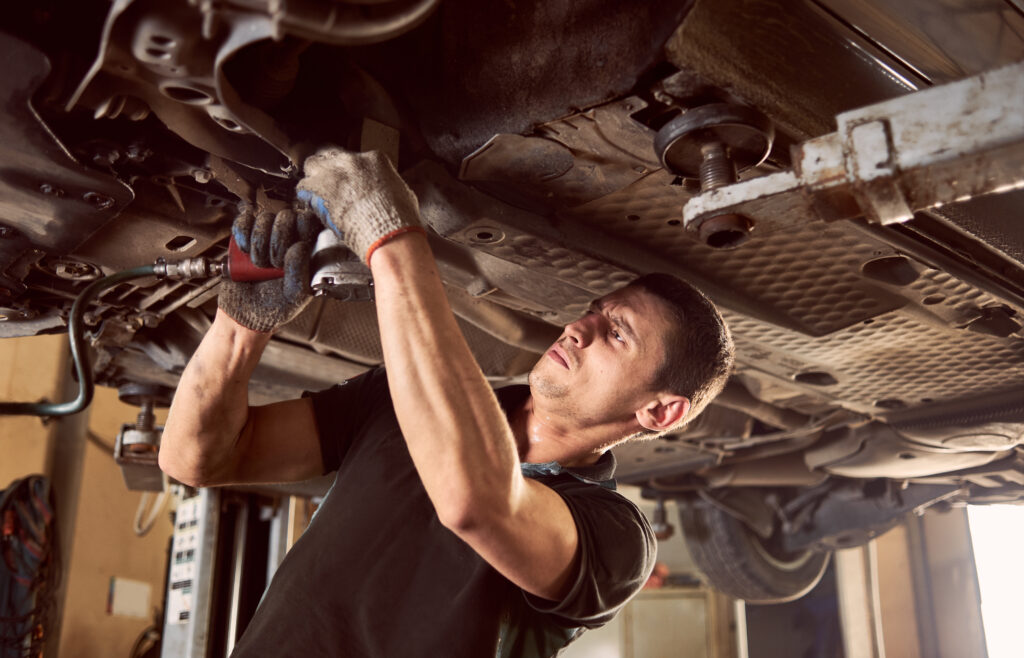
(78, 354)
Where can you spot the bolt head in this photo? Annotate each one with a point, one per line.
(105, 157)
(725, 231)
(138, 152)
(69, 269)
(51, 190)
(97, 200)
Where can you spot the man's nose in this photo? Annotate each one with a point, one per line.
(581, 332)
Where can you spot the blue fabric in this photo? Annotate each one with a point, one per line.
(319, 206)
(554, 468)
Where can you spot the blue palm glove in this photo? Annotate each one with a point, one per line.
(283, 240)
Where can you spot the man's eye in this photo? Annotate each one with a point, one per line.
(618, 337)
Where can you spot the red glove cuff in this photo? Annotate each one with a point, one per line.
(389, 236)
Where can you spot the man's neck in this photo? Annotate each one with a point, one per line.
(545, 437)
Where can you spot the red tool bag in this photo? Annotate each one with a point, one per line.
(29, 566)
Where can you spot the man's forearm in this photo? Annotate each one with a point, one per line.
(211, 404)
(458, 437)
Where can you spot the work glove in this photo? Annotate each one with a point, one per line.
(360, 197)
(283, 240)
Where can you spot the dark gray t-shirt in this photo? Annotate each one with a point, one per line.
(377, 575)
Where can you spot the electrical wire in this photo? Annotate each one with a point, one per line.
(95, 439)
(78, 354)
(142, 528)
(145, 643)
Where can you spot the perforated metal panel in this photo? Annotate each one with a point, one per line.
(810, 310)
(903, 357)
(808, 278)
(895, 358)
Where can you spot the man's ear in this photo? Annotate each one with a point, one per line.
(664, 412)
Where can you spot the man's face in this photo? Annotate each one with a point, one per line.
(602, 367)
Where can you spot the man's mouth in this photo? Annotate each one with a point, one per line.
(559, 357)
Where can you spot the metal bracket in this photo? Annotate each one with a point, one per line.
(872, 162)
(338, 273)
(888, 160)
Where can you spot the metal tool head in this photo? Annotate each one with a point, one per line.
(337, 272)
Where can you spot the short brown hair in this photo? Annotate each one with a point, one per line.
(699, 353)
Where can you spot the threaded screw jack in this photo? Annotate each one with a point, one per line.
(146, 419)
(716, 168)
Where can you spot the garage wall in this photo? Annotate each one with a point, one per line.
(105, 546)
(103, 543)
(29, 369)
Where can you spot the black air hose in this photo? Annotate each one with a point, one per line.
(78, 355)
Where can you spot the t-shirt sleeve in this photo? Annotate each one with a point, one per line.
(617, 554)
(341, 410)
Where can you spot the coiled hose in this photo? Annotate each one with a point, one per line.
(78, 355)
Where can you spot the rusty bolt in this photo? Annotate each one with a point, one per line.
(713, 143)
(201, 176)
(97, 200)
(717, 170)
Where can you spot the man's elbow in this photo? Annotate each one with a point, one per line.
(468, 514)
(458, 520)
(189, 467)
(178, 469)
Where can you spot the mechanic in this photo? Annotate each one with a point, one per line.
(461, 522)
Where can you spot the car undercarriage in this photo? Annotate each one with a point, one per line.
(553, 146)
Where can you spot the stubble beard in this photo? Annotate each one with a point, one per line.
(544, 386)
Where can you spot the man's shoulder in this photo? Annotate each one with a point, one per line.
(598, 499)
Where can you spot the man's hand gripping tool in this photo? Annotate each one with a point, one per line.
(337, 271)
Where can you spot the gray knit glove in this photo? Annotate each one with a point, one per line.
(360, 197)
(284, 240)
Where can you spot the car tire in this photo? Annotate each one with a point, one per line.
(738, 562)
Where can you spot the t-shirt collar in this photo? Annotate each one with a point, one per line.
(600, 472)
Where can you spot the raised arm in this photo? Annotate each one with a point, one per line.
(212, 435)
(460, 441)
(458, 436)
